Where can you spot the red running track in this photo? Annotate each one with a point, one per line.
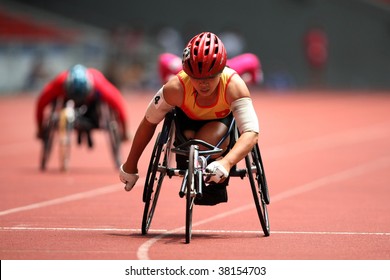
(327, 161)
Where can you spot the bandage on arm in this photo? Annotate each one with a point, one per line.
(157, 108)
(245, 115)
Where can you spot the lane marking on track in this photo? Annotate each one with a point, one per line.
(384, 162)
(73, 197)
(162, 231)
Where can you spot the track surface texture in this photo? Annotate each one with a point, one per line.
(327, 161)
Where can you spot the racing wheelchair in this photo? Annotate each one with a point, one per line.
(65, 118)
(166, 145)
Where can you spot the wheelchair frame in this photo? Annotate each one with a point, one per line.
(191, 186)
(60, 123)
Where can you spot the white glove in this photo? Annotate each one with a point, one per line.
(219, 172)
(127, 178)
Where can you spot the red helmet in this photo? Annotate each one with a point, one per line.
(204, 57)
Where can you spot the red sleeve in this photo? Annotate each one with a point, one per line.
(50, 92)
(110, 94)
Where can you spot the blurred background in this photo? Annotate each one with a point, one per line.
(343, 44)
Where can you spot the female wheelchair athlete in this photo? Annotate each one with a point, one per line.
(170, 140)
(65, 118)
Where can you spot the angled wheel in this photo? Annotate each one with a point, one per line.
(258, 184)
(190, 194)
(152, 186)
(114, 138)
(47, 141)
(260, 174)
(156, 173)
(110, 123)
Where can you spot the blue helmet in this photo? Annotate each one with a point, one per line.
(78, 84)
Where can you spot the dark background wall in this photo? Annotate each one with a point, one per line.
(358, 31)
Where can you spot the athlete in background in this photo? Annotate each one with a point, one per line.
(86, 87)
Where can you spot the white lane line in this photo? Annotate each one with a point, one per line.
(27, 228)
(384, 162)
(161, 231)
(73, 197)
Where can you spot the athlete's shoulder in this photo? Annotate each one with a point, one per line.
(236, 89)
(173, 91)
(229, 71)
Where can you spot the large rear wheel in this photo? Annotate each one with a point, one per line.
(260, 174)
(190, 193)
(154, 179)
(47, 142)
(110, 123)
(157, 171)
(252, 165)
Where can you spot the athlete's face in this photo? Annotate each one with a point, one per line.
(205, 87)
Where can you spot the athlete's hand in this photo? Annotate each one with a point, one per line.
(128, 179)
(219, 172)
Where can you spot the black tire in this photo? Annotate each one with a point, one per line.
(189, 196)
(152, 186)
(157, 171)
(256, 187)
(260, 175)
(114, 138)
(47, 143)
(151, 167)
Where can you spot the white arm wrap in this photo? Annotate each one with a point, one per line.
(245, 115)
(157, 108)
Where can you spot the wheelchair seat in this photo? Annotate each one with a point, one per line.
(180, 139)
